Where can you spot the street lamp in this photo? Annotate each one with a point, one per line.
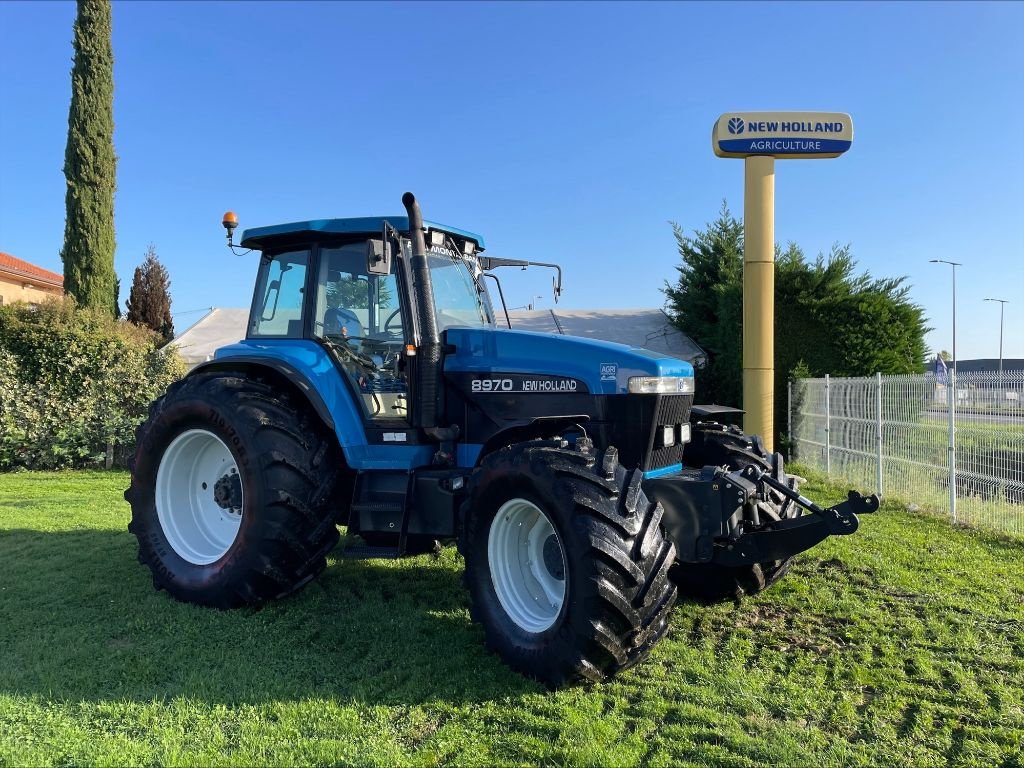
(1002, 306)
(954, 265)
(952, 401)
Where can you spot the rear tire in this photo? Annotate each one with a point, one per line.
(566, 564)
(721, 445)
(285, 462)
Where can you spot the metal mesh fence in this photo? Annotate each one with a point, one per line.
(894, 434)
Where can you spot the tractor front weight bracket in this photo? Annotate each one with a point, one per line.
(790, 536)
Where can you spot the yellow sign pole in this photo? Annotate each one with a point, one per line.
(759, 298)
(760, 138)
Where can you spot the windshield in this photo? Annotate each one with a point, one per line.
(457, 300)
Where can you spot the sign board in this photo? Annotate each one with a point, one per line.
(782, 134)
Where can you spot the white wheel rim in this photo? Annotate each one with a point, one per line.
(527, 564)
(198, 527)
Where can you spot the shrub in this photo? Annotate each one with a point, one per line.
(74, 382)
(828, 318)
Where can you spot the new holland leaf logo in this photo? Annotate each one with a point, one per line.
(736, 125)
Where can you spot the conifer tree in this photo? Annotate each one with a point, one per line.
(149, 303)
(90, 164)
(828, 318)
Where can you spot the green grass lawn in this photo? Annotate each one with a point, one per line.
(903, 644)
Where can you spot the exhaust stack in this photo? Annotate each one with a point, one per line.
(429, 393)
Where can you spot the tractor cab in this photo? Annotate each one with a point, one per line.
(347, 285)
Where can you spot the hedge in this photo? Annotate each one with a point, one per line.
(74, 384)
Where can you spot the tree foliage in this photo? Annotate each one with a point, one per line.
(354, 293)
(90, 163)
(828, 317)
(149, 303)
(707, 303)
(73, 382)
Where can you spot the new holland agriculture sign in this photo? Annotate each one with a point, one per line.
(782, 134)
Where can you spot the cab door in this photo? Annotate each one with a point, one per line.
(361, 318)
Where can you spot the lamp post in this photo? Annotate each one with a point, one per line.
(952, 401)
(1002, 306)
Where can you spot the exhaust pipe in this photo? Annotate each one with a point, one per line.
(429, 392)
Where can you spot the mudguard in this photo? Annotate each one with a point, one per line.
(308, 366)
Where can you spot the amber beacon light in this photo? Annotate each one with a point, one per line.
(230, 222)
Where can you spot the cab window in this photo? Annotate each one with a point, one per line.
(280, 296)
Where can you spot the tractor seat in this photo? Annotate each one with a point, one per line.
(336, 318)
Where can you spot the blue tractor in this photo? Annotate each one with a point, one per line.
(374, 390)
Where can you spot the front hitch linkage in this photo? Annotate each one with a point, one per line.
(793, 535)
(841, 519)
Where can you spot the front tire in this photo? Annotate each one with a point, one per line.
(229, 493)
(566, 564)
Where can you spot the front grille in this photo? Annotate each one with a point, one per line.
(632, 424)
(670, 410)
(673, 409)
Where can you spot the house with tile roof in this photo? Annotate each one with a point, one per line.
(21, 281)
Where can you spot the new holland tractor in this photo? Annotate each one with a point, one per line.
(374, 390)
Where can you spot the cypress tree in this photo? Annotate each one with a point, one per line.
(149, 303)
(90, 162)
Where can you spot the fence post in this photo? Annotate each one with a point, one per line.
(951, 408)
(789, 420)
(828, 430)
(878, 424)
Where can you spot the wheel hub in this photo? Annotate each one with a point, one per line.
(553, 557)
(527, 565)
(227, 492)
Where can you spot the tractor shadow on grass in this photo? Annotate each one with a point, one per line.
(80, 620)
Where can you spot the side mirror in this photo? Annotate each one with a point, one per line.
(378, 257)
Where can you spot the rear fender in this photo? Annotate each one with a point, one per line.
(306, 367)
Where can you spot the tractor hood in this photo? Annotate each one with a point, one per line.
(603, 366)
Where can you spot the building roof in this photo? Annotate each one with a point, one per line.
(217, 328)
(989, 364)
(647, 328)
(14, 266)
(364, 225)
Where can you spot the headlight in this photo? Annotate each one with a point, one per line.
(660, 385)
(668, 436)
(672, 434)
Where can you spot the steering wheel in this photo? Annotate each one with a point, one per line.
(387, 324)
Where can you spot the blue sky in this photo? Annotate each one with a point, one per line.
(562, 132)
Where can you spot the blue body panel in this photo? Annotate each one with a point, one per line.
(311, 360)
(365, 225)
(671, 469)
(604, 366)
